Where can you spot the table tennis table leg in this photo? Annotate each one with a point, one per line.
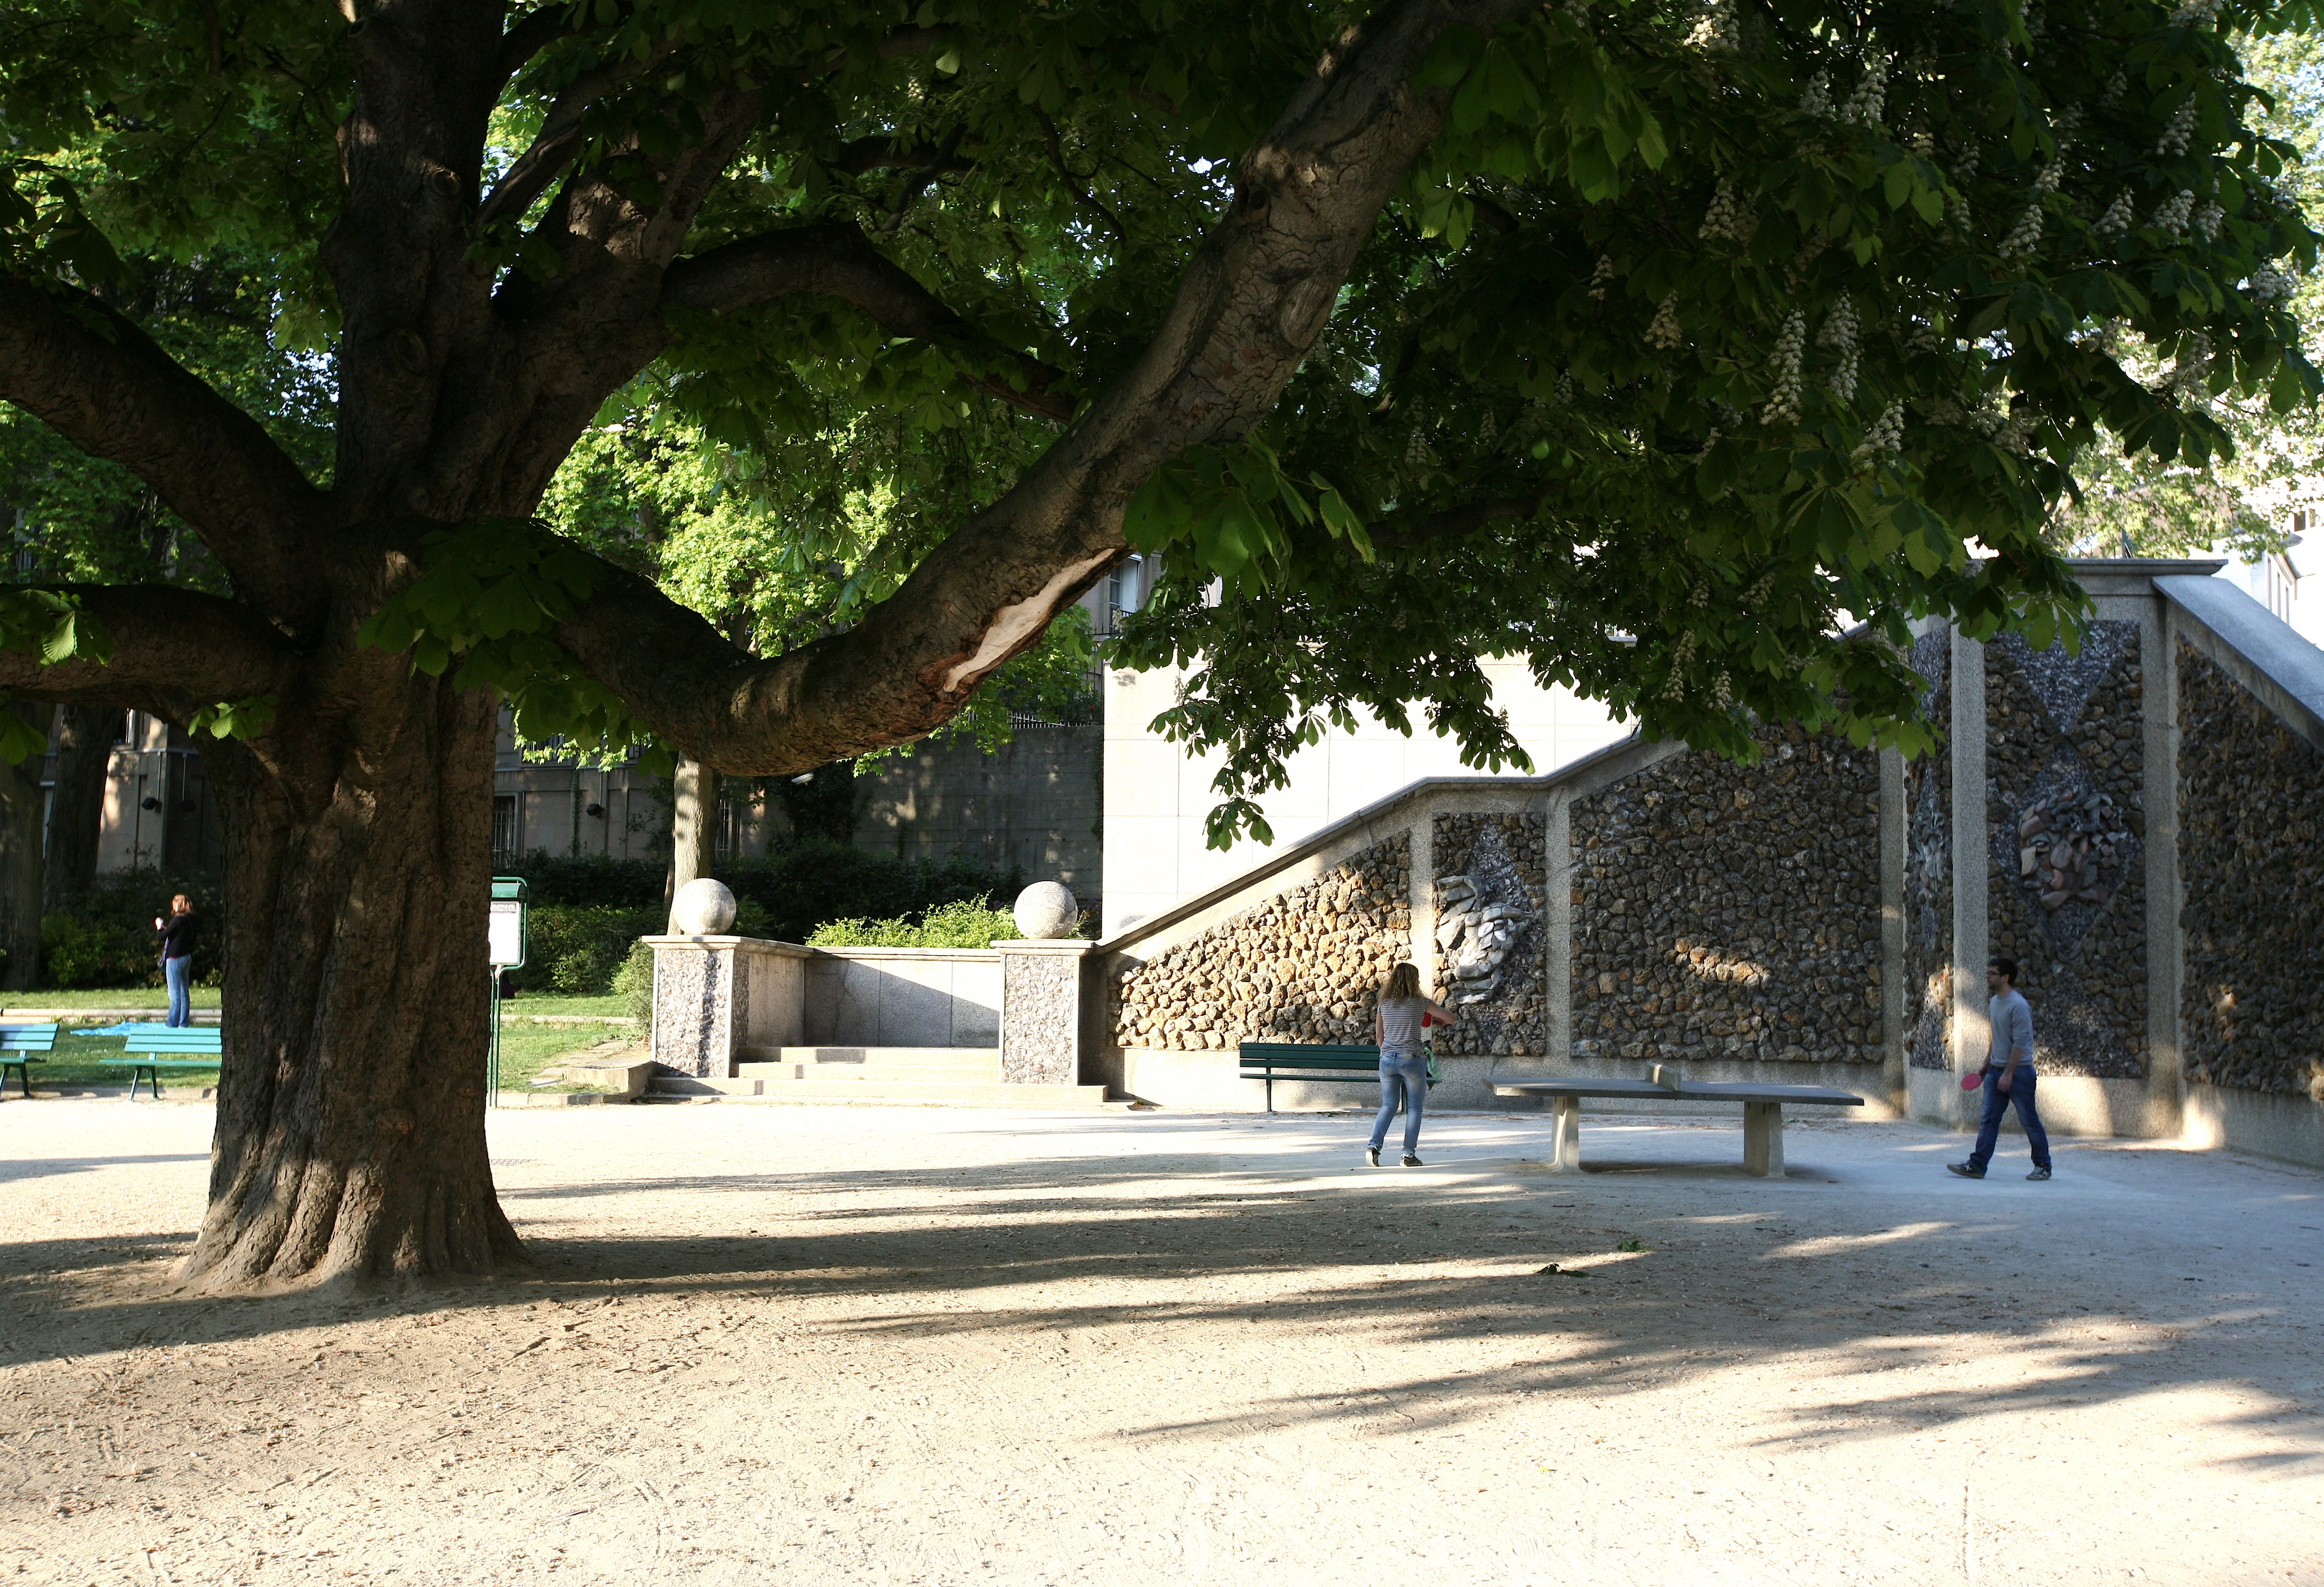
(1763, 1139)
(1565, 1134)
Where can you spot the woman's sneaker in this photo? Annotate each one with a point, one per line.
(1411, 1161)
(1371, 1155)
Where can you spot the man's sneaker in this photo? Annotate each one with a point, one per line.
(2038, 1174)
(1371, 1155)
(1964, 1171)
(1411, 1161)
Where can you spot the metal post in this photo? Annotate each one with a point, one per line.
(492, 1071)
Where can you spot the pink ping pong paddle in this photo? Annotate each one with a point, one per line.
(1973, 1079)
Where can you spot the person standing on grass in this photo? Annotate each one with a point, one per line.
(2009, 1075)
(1397, 1023)
(178, 958)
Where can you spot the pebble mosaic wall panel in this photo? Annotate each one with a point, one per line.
(1303, 966)
(2252, 1005)
(1492, 893)
(2065, 811)
(1731, 912)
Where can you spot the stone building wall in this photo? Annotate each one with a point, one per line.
(1929, 870)
(1725, 912)
(1303, 966)
(2065, 815)
(1492, 898)
(2252, 1005)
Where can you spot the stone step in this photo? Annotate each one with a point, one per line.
(907, 1093)
(979, 1059)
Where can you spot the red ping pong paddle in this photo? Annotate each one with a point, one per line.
(1973, 1079)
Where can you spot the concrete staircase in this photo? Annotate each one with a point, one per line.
(954, 1076)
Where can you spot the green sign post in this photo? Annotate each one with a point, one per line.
(505, 932)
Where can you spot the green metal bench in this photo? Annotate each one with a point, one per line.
(1293, 1060)
(153, 1041)
(29, 1043)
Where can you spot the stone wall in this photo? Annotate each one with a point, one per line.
(1303, 966)
(1929, 871)
(1492, 897)
(2251, 1007)
(2066, 875)
(1726, 911)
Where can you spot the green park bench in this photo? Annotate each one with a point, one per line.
(1292, 1060)
(143, 1046)
(29, 1044)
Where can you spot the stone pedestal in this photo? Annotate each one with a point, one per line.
(716, 995)
(1041, 1011)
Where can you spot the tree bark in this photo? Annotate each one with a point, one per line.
(19, 863)
(692, 826)
(77, 801)
(350, 1139)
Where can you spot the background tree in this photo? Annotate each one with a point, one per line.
(1641, 339)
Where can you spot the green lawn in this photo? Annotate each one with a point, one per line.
(526, 1048)
(116, 997)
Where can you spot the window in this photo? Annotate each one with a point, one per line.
(504, 834)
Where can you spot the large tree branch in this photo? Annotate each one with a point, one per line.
(104, 386)
(838, 261)
(1250, 307)
(174, 651)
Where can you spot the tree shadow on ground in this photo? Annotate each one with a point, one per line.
(1049, 1246)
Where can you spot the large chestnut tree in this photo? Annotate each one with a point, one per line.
(1643, 339)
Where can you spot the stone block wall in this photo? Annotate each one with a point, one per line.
(1726, 911)
(2065, 811)
(2252, 996)
(1492, 897)
(1303, 966)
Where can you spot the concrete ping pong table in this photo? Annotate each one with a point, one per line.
(1763, 1111)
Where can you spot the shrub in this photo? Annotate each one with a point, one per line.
(576, 948)
(967, 923)
(591, 879)
(633, 983)
(794, 888)
(103, 936)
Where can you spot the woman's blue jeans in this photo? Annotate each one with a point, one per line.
(180, 974)
(1403, 1078)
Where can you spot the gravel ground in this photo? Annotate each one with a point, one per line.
(905, 1345)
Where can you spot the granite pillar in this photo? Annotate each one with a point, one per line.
(1041, 1011)
(714, 995)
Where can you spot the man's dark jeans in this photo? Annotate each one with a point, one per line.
(1997, 1103)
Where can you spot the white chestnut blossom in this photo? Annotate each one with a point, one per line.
(2179, 129)
(2119, 217)
(1664, 334)
(1783, 401)
(1603, 277)
(1676, 685)
(1839, 333)
(1885, 438)
(2207, 220)
(2269, 284)
(2197, 13)
(1865, 106)
(2171, 214)
(1728, 216)
(1816, 100)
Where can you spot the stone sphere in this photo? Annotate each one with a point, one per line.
(705, 907)
(1046, 909)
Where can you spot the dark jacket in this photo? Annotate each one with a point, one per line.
(177, 937)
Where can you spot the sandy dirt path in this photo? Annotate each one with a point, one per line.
(903, 1345)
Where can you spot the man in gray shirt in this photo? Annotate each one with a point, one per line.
(2009, 1075)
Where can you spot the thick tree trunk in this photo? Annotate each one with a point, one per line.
(19, 863)
(350, 1142)
(77, 803)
